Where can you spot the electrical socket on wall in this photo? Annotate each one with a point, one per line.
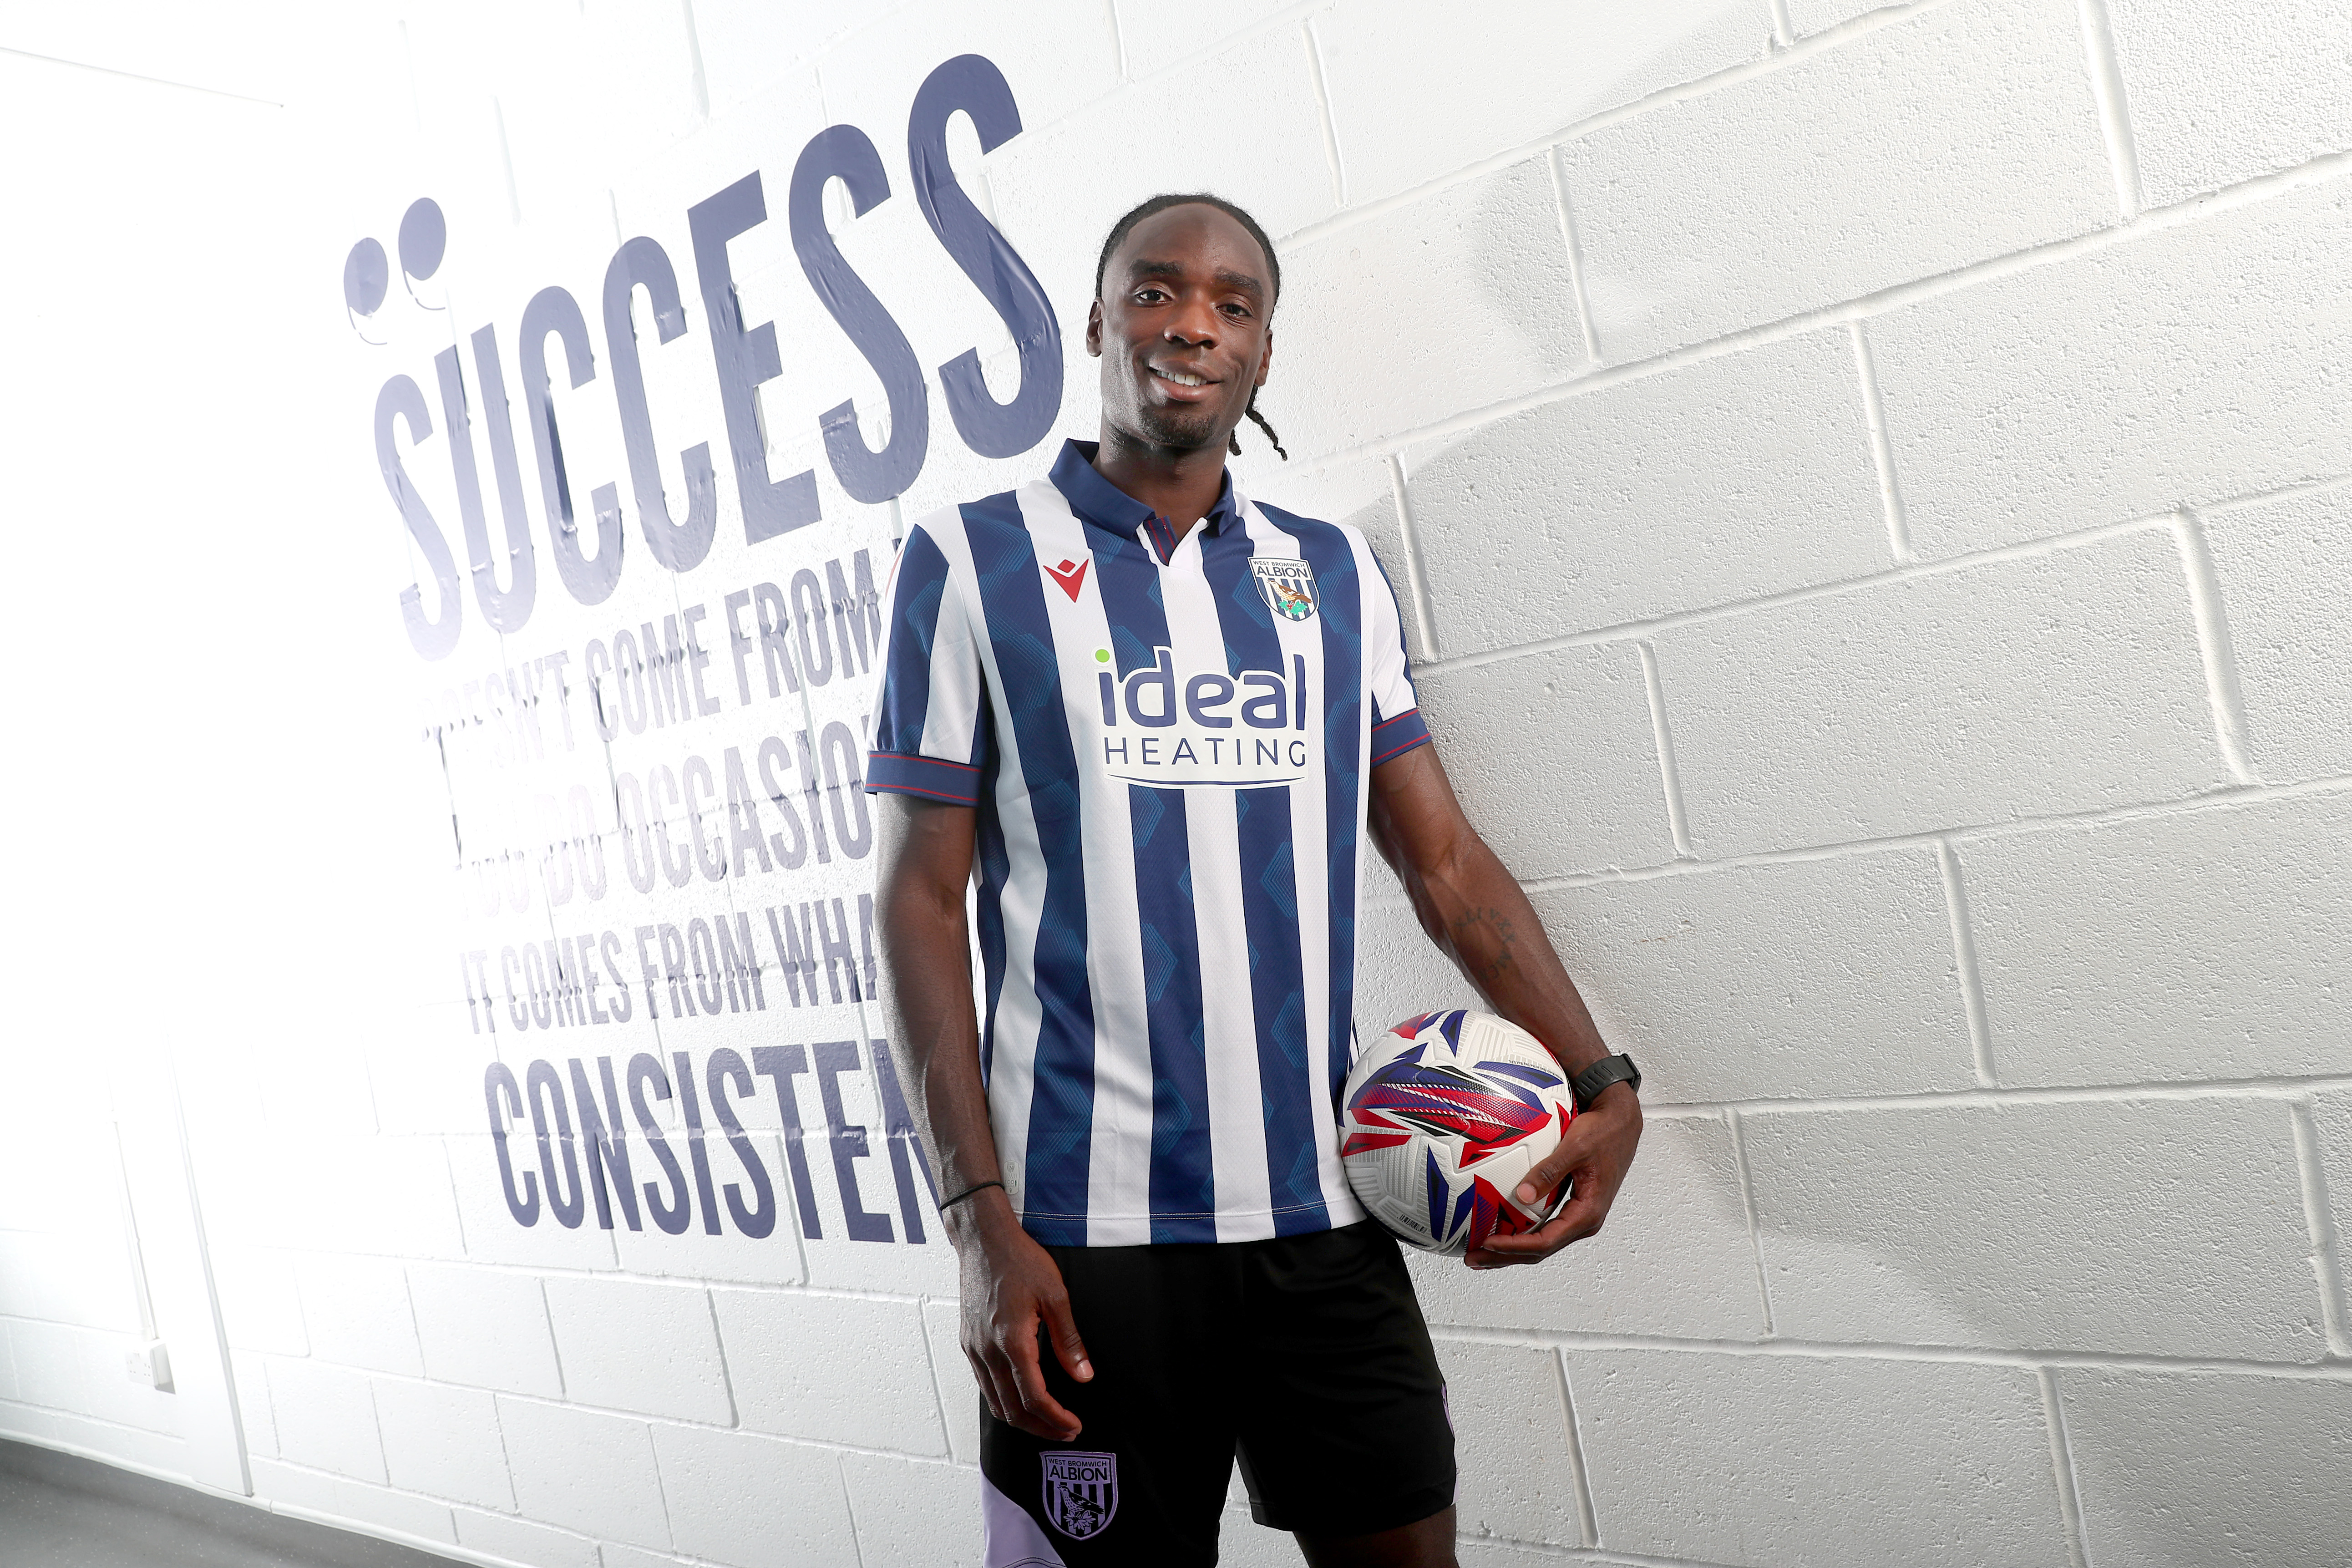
(150, 1365)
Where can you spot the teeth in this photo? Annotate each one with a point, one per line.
(1180, 377)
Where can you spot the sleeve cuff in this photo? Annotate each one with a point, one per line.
(894, 772)
(1392, 738)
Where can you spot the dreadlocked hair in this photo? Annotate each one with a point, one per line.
(1161, 204)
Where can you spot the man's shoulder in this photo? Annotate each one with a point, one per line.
(1316, 534)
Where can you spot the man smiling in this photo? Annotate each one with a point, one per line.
(1160, 722)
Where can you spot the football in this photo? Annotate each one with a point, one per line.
(1441, 1117)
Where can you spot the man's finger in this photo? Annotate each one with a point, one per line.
(1062, 1328)
(1029, 1382)
(1553, 1168)
(993, 1389)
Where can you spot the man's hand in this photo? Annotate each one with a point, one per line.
(1593, 1157)
(1009, 1288)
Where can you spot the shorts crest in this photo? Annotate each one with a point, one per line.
(1081, 1492)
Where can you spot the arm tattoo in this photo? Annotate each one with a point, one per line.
(1494, 928)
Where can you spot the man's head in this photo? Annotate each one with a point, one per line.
(1184, 295)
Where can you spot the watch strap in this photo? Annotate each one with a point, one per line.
(1589, 1083)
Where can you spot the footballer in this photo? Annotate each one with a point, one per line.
(1155, 729)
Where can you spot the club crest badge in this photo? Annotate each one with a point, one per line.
(1081, 1492)
(1287, 587)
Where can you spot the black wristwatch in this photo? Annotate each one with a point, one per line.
(1600, 1075)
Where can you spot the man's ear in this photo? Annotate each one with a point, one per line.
(1264, 359)
(1094, 331)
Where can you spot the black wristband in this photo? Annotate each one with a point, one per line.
(1588, 1084)
(975, 1187)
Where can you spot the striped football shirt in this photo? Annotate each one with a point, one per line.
(1169, 746)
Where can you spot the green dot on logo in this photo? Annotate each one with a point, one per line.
(1102, 655)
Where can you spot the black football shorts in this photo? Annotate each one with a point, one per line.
(1304, 1356)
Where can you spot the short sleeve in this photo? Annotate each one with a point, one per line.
(930, 724)
(1396, 724)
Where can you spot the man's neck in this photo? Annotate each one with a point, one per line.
(1179, 483)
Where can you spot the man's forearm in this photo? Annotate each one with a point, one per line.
(926, 987)
(1479, 915)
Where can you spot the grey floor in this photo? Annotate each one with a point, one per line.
(59, 1511)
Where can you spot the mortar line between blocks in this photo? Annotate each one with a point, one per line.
(1882, 446)
(939, 1386)
(1314, 47)
(1784, 31)
(1747, 1211)
(2319, 1223)
(1588, 1521)
(1669, 777)
(1416, 577)
(554, 1345)
(2106, 69)
(726, 1372)
(849, 1510)
(1567, 214)
(2062, 1466)
(2221, 660)
(1964, 955)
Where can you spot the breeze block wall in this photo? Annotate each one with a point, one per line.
(1870, 491)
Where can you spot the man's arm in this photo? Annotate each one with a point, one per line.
(1473, 909)
(1008, 1284)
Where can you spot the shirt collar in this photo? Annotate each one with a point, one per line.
(1099, 501)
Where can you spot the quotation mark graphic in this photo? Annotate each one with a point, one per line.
(367, 271)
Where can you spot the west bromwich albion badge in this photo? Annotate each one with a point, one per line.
(1286, 587)
(1081, 1492)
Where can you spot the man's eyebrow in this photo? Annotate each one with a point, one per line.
(1139, 270)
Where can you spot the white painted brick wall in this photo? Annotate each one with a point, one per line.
(1582, 788)
(2057, 683)
(2040, 1225)
(442, 1441)
(1478, 305)
(1699, 972)
(2207, 1468)
(629, 1345)
(2217, 96)
(1510, 1422)
(753, 1500)
(2179, 366)
(2276, 565)
(584, 1472)
(1600, 510)
(1932, 143)
(2197, 944)
(1895, 454)
(1801, 1459)
(485, 1328)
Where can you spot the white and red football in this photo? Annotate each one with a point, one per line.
(1441, 1117)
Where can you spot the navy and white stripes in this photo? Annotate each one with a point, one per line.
(1170, 744)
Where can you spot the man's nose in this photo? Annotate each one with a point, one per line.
(1195, 327)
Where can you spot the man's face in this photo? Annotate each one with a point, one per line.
(1182, 327)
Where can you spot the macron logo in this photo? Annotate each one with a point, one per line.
(1071, 576)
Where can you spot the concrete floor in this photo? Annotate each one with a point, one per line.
(59, 1511)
